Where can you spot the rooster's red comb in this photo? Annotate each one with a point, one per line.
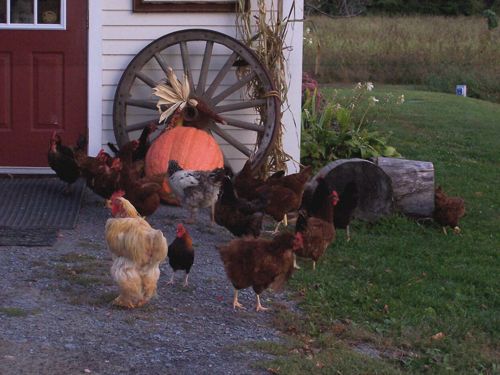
(117, 194)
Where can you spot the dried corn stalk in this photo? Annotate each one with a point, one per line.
(266, 37)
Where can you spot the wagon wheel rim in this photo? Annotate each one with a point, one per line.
(266, 108)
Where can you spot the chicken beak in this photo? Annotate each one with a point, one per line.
(108, 204)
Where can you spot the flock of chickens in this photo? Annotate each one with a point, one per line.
(239, 203)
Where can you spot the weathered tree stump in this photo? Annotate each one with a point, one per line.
(374, 189)
(412, 185)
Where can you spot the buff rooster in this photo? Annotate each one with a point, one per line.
(137, 251)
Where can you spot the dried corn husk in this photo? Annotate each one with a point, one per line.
(173, 94)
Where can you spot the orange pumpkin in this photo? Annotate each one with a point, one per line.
(192, 148)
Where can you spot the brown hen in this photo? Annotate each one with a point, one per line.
(448, 210)
(284, 193)
(259, 263)
(315, 222)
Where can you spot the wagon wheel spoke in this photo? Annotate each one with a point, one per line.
(220, 76)
(207, 56)
(161, 61)
(146, 79)
(231, 140)
(142, 103)
(140, 125)
(185, 62)
(232, 89)
(243, 105)
(243, 124)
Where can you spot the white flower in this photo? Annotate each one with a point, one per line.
(401, 99)
(358, 86)
(373, 100)
(369, 86)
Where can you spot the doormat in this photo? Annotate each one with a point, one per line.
(32, 209)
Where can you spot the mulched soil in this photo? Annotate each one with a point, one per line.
(56, 316)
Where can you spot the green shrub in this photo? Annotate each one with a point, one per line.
(343, 129)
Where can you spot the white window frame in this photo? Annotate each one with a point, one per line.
(35, 25)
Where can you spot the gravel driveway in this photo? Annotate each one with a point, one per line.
(56, 316)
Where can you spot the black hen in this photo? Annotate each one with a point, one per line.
(62, 161)
(344, 210)
(239, 216)
(139, 152)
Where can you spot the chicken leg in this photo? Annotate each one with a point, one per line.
(236, 304)
(348, 233)
(171, 281)
(186, 280)
(212, 216)
(259, 307)
(295, 265)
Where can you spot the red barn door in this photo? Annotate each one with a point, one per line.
(43, 79)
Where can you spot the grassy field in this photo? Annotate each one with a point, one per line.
(438, 52)
(401, 297)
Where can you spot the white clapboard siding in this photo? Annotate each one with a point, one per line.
(124, 34)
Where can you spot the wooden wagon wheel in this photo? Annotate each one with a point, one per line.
(219, 69)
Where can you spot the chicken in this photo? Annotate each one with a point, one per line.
(80, 150)
(259, 263)
(344, 210)
(139, 147)
(284, 193)
(238, 215)
(105, 179)
(89, 165)
(315, 223)
(61, 159)
(181, 253)
(195, 189)
(137, 251)
(448, 210)
(245, 184)
(142, 192)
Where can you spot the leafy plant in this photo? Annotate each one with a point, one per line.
(335, 130)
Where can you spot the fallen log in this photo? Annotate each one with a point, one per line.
(412, 185)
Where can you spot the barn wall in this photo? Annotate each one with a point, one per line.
(124, 33)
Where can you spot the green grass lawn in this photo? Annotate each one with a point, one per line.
(374, 303)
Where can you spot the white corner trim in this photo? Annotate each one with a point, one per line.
(292, 110)
(94, 78)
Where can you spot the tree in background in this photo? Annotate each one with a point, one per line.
(344, 8)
